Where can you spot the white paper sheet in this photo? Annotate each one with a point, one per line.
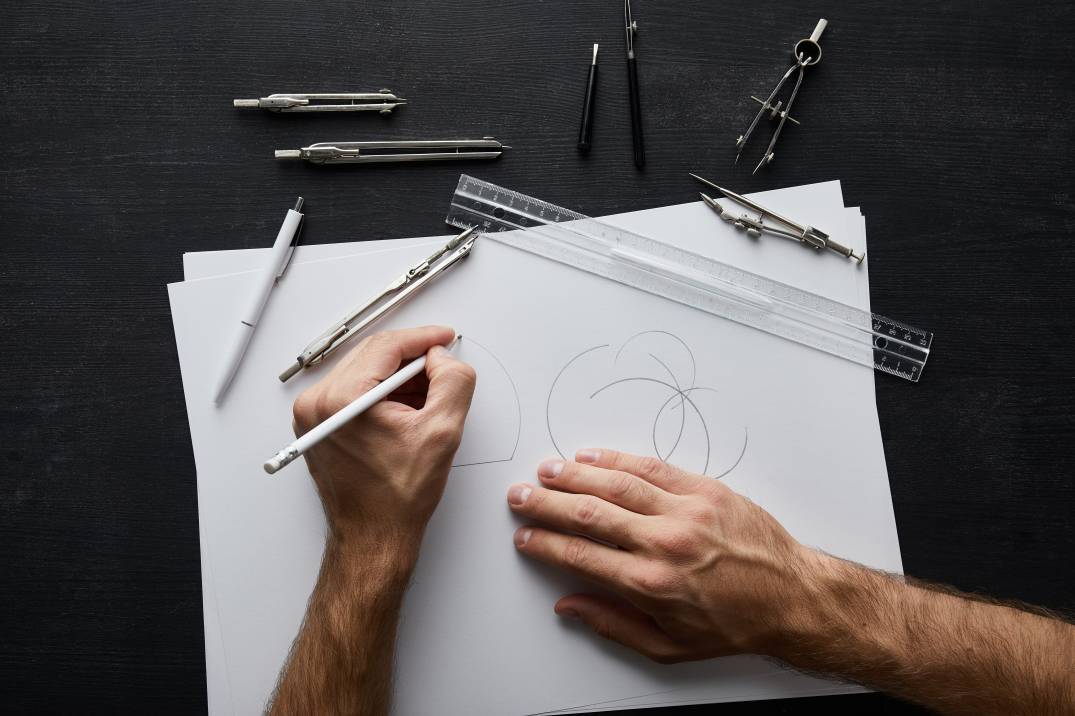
(824, 197)
(884, 554)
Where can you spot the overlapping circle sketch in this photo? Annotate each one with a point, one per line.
(642, 396)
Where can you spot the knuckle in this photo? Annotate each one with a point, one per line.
(658, 581)
(622, 486)
(674, 542)
(304, 410)
(587, 510)
(602, 627)
(650, 466)
(576, 553)
(444, 432)
(701, 511)
(466, 373)
(329, 402)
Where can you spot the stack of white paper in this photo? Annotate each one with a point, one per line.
(559, 355)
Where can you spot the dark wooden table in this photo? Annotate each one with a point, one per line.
(948, 123)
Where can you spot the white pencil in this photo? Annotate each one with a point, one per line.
(360, 405)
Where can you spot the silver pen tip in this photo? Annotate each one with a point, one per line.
(288, 154)
(298, 204)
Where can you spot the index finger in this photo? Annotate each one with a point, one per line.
(652, 470)
(380, 355)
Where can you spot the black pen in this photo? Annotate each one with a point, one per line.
(632, 86)
(586, 128)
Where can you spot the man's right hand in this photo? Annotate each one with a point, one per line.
(382, 474)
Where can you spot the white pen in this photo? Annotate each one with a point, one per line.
(349, 412)
(280, 255)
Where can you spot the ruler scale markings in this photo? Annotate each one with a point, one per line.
(690, 279)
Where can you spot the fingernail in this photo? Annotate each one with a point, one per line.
(569, 613)
(518, 494)
(551, 468)
(522, 536)
(588, 455)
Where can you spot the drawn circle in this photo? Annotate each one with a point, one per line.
(641, 397)
(881, 342)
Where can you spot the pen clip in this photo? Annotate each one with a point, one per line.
(294, 240)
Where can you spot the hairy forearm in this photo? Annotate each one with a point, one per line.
(341, 661)
(954, 653)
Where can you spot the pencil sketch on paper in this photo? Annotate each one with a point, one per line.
(642, 396)
(494, 423)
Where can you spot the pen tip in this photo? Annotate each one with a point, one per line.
(298, 204)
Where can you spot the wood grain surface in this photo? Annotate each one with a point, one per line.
(949, 123)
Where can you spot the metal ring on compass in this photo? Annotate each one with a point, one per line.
(809, 50)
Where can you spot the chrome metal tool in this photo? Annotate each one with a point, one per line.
(383, 102)
(806, 53)
(396, 151)
(804, 233)
(394, 294)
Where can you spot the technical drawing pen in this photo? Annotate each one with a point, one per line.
(632, 87)
(586, 128)
(282, 251)
(351, 411)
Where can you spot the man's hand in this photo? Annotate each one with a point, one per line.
(380, 478)
(702, 571)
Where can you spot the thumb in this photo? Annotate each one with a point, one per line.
(623, 623)
(451, 385)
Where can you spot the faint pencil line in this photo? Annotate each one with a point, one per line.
(552, 388)
(701, 419)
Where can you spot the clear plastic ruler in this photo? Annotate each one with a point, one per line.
(691, 279)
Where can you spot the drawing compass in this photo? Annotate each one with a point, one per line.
(806, 53)
(383, 102)
(803, 233)
(396, 151)
(395, 293)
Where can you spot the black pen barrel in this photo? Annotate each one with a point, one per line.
(636, 113)
(586, 128)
